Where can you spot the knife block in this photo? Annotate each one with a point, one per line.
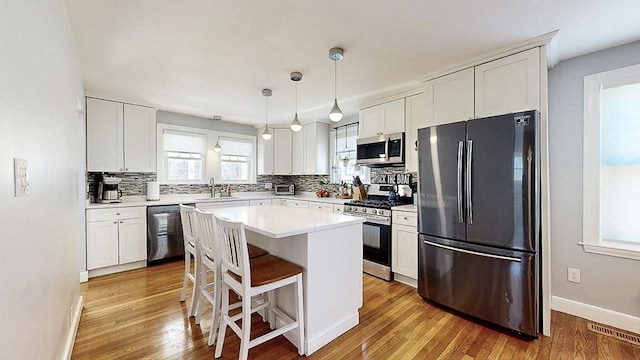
(359, 193)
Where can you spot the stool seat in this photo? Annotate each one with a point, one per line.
(255, 251)
(268, 269)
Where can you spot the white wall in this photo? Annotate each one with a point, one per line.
(167, 117)
(607, 282)
(39, 86)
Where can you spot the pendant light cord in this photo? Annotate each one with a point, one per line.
(335, 79)
(296, 98)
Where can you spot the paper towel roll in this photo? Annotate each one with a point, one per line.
(153, 190)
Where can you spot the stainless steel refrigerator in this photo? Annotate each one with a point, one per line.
(478, 218)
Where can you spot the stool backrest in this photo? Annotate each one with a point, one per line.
(188, 224)
(233, 249)
(207, 234)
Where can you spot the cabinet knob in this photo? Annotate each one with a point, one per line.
(120, 169)
(115, 222)
(117, 213)
(121, 221)
(406, 218)
(126, 169)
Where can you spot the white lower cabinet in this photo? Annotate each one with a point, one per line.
(116, 236)
(404, 243)
(320, 206)
(338, 208)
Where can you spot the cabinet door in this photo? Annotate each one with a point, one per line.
(282, 148)
(139, 138)
(405, 251)
(133, 240)
(449, 98)
(298, 204)
(319, 206)
(105, 142)
(509, 84)
(338, 209)
(369, 122)
(415, 120)
(265, 155)
(316, 142)
(299, 151)
(102, 244)
(392, 120)
(259, 202)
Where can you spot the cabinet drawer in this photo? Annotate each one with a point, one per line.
(320, 206)
(116, 213)
(298, 203)
(260, 202)
(405, 218)
(338, 209)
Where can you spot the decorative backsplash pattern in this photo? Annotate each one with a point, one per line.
(136, 183)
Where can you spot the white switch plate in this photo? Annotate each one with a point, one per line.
(267, 186)
(573, 275)
(21, 176)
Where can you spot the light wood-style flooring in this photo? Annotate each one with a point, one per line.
(137, 314)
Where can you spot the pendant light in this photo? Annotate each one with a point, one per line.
(296, 125)
(336, 54)
(217, 147)
(266, 133)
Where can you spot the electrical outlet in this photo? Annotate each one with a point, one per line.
(573, 275)
(267, 186)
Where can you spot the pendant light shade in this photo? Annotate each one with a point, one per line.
(336, 54)
(217, 147)
(296, 125)
(266, 133)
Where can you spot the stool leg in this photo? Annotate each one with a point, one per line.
(246, 327)
(215, 311)
(195, 296)
(300, 314)
(224, 312)
(271, 315)
(202, 287)
(187, 269)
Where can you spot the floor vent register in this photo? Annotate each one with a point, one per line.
(630, 338)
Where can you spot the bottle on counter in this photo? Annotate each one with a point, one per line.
(228, 190)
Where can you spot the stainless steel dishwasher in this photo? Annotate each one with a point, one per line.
(164, 233)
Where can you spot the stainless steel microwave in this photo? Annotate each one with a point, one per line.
(284, 190)
(383, 150)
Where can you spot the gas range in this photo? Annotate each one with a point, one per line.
(377, 208)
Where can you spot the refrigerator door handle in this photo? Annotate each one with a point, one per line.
(469, 203)
(460, 213)
(529, 197)
(508, 258)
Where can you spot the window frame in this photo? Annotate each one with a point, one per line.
(591, 241)
(251, 163)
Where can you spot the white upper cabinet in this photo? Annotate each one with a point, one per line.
(282, 151)
(416, 119)
(265, 155)
(508, 85)
(105, 139)
(139, 138)
(502, 86)
(450, 98)
(387, 118)
(299, 150)
(120, 137)
(315, 149)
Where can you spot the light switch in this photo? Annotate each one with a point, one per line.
(21, 177)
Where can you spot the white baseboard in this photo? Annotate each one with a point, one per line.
(73, 330)
(84, 276)
(117, 268)
(597, 314)
(405, 280)
(326, 336)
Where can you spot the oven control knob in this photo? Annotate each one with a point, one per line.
(347, 208)
(364, 210)
(380, 212)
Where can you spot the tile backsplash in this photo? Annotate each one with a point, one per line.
(136, 183)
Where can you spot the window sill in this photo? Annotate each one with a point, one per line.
(618, 250)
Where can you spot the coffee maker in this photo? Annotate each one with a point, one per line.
(108, 190)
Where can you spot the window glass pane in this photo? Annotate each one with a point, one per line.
(184, 169)
(620, 163)
(235, 171)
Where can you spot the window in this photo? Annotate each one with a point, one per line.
(611, 163)
(183, 156)
(344, 143)
(236, 159)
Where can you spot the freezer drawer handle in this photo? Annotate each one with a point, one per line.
(473, 252)
(460, 148)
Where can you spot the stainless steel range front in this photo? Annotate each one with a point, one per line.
(376, 232)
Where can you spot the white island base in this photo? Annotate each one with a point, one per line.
(329, 248)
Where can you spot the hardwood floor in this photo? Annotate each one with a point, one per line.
(137, 315)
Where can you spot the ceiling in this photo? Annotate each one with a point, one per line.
(208, 58)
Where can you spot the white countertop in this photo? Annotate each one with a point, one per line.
(128, 201)
(410, 208)
(276, 221)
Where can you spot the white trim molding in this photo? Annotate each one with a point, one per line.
(84, 276)
(594, 313)
(73, 330)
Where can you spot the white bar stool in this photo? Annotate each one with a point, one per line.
(191, 248)
(248, 278)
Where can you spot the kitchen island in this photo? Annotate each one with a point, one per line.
(329, 248)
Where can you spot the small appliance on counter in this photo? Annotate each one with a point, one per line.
(153, 191)
(284, 190)
(108, 191)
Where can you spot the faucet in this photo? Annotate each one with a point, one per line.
(212, 182)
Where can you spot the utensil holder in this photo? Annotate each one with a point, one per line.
(359, 192)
